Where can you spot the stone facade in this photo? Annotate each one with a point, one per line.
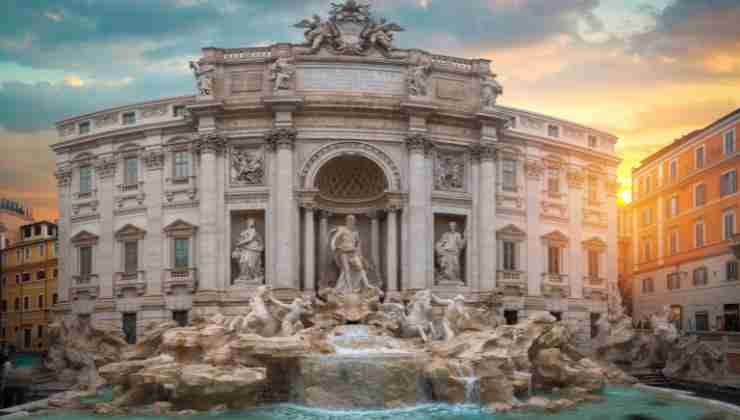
(296, 137)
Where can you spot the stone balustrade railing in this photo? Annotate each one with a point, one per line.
(180, 278)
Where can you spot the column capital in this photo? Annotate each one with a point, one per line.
(105, 168)
(419, 142)
(325, 214)
(279, 138)
(483, 151)
(575, 179)
(534, 169)
(211, 143)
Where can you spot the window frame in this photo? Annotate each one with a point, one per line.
(553, 131)
(673, 281)
(87, 127)
(181, 159)
(703, 159)
(697, 195)
(729, 135)
(704, 274)
(512, 172)
(130, 178)
(647, 285)
(128, 118)
(509, 262)
(697, 242)
(735, 276)
(86, 186)
(724, 225)
(673, 242)
(673, 170)
(724, 188)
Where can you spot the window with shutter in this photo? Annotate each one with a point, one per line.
(553, 260)
(85, 261)
(131, 257)
(131, 172)
(509, 256)
(182, 259)
(593, 263)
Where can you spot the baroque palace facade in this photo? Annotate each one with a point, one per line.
(185, 205)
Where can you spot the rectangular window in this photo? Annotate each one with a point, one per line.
(509, 174)
(728, 221)
(129, 118)
(129, 328)
(732, 271)
(131, 257)
(85, 179)
(180, 317)
(85, 261)
(553, 131)
(732, 317)
(647, 248)
(511, 316)
(27, 253)
(701, 319)
(673, 281)
(26, 303)
(181, 165)
(673, 170)
(130, 172)
(553, 260)
(699, 235)
(673, 248)
(84, 127)
(648, 184)
(700, 195)
(40, 275)
(699, 158)
(674, 206)
(56, 248)
(37, 230)
(593, 142)
(40, 301)
(509, 256)
(42, 249)
(729, 142)
(26, 277)
(40, 331)
(178, 110)
(700, 276)
(728, 183)
(593, 263)
(27, 338)
(182, 258)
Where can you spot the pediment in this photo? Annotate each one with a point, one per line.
(130, 231)
(511, 232)
(595, 243)
(84, 237)
(556, 237)
(180, 226)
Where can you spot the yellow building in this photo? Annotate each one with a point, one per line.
(29, 287)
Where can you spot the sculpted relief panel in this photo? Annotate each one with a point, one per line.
(449, 172)
(247, 166)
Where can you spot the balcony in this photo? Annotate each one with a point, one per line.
(555, 285)
(595, 288)
(512, 283)
(129, 281)
(125, 188)
(180, 278)
(84, 286)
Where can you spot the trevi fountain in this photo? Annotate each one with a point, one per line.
(399, 246)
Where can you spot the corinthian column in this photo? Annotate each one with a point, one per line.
(309, 249)
(210, 146)
(575, 203)
(418, 206)
(391, 276)
(281, 142)
(487, 217)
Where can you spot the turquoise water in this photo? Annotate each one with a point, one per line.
(621, 404)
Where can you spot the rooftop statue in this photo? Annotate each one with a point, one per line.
(204, 77)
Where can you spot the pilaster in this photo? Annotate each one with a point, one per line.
(575, 209)
(419, 204)
(535, 257)
(211, 145)
(153, 247)
(486, 204)
(105, 171)
(64, 184)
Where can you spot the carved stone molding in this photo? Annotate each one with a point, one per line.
(449, 171)
(575, 179)
(533, 169)
(211, 143)
(247, 166)
(483, 152)
(105, 168)
(279, 138)
(418, 142)
(154, 159)
(64, 177)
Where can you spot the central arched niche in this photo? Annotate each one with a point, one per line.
(351, 180)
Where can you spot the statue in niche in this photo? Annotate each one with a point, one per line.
(449, 248)
(450, 173)
(281, 73)
(248, 252)
(204, 77)
(248, 167)
(491, 89)
(418, 77)
(347, 249)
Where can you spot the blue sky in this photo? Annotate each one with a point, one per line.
(646, 70)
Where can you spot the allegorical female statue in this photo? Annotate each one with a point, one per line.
(248, 252)
(449, 248)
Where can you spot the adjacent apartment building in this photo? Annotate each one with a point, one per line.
(29, 287)
(684, 219)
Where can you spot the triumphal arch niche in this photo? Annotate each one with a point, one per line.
(251, 182)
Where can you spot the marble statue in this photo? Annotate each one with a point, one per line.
(318, 32)
(455, 315)
(380, 34)
(347, 249)
(350, 11)
(418, 77)
(491, 89)
(204, 77)
(248, 167)
(248, 251)
(291, 322)
(281, 73)
(449, 249)
(419, 321)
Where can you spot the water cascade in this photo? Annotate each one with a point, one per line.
(466, 376)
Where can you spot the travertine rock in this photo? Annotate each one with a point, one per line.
(696, 360)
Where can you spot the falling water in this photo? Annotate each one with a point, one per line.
(469, 381)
